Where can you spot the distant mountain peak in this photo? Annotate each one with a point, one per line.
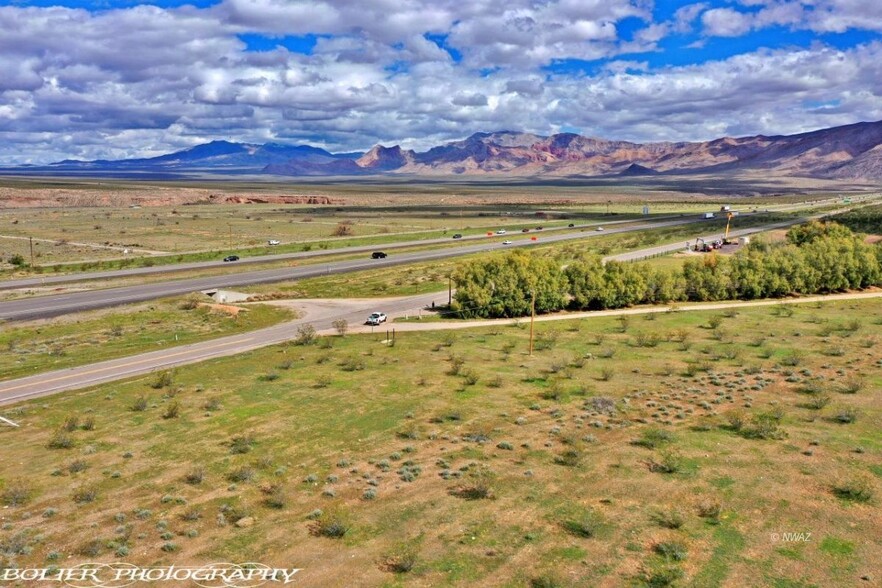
(381, 158)
(635, 169)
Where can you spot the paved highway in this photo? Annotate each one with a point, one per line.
(42, 281)
(59, 304)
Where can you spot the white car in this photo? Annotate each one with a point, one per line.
(500, 232)
(599, 229)
(274, 242)
(376, 318)
(506, 242)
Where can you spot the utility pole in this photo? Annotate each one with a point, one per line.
(31, 240)
(532, 318)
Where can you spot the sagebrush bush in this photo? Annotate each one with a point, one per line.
(162, 380)
(669, 519)
(477, 486)
(195, 476)
(353, 364)
(711, 510)
(401, 560)
(586, 524)
(172, 411)
(242, 474)
(61, 439)
(671, 550)
(16, 493)
(332, 523)
(242, 443)
(569, 458)
(306, 335)
(846, 415)
(855, 489)
(140, 404)
(85, 494)
(668, 462)
(277, 498)
(654, 438)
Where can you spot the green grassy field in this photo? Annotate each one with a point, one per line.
(738, 448)
(100, 335)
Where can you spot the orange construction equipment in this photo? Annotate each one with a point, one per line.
(728, 221)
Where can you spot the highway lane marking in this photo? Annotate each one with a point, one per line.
(123, 365)
(296, 256)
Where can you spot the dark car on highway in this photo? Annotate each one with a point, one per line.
(231, 258)
(378, 255)
(571, 225)
(457, 236)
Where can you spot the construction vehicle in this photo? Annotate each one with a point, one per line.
(726, 240)
(701, 245)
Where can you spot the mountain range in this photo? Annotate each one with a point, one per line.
(852, 152)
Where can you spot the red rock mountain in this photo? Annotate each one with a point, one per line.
(847, 152)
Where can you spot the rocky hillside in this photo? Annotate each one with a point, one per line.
(848, 152)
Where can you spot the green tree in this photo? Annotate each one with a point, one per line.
(504, 286)
(625, 284)
(587, 280)
(663, 285)
(814, 230)
(707, 278)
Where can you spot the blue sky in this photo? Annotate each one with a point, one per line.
(118, 78)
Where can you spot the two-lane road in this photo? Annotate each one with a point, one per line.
(320, 314)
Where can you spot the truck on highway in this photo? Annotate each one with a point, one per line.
(708, 215)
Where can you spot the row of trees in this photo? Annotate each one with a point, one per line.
(866, 219)
(816, 258)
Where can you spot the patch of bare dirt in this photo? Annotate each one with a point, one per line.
(226, 308)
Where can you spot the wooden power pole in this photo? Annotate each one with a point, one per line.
(532, 318)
